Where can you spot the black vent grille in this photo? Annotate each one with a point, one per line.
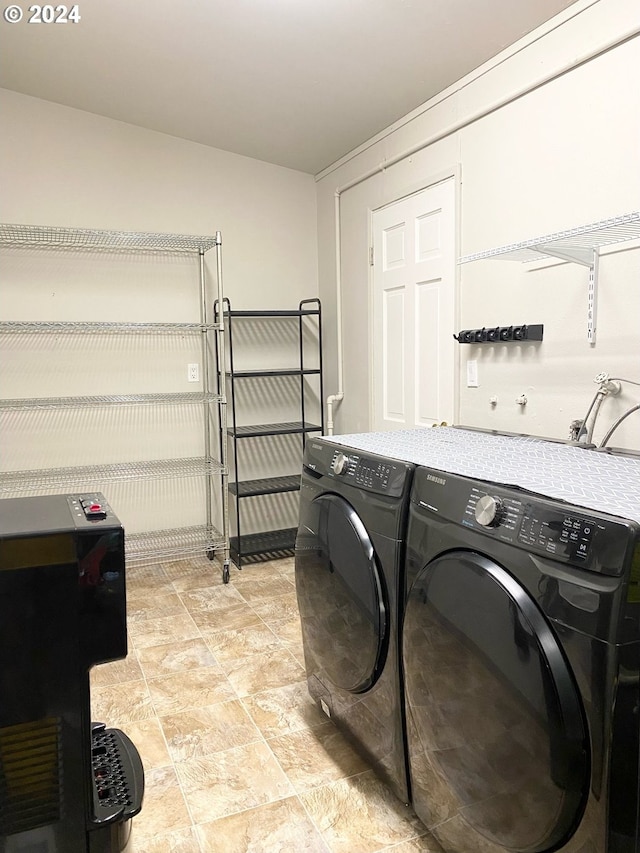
(30, 775)
(109, 771)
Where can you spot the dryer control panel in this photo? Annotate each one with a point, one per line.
(367, 471)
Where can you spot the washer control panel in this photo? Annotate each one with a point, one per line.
(584, 538)
(533, 524)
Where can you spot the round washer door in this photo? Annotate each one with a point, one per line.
(496, 730)
(341, 596)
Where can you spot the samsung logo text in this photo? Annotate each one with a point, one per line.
(439, 480)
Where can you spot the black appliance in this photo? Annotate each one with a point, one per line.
(66, 785)
(348, 563)
(521, 653)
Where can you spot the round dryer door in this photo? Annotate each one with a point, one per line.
(341, 596)
(497, 737)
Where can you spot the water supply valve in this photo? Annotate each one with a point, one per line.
(607, 385)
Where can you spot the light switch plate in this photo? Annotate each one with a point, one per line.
(472, 374)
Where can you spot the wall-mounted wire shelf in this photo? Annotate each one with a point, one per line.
(579, 245)
(92, 240)
(35, 481)
(31, 403)
(70, 327)
(144, 548)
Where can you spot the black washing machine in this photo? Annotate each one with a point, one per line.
(348, 563)
(521, 654)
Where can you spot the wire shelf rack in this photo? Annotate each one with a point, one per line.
(575, 241)
(175, 544)
(86, 239)
(271, 544)
(94, 402)
(261, 430)
(71, 327)
(36, 481)
(266, 486)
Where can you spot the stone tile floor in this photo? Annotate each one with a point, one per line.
(237, 757)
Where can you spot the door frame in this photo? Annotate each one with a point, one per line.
(392, 197)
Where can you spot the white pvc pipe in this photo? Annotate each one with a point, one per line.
(338, 396)
(420, 146)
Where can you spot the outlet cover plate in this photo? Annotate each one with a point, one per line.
(472, 373)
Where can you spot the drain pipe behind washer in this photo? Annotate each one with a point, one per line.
(332, 399)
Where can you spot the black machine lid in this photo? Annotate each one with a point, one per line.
(342, 597)
(494, 713)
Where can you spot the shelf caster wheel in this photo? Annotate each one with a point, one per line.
(211, 554)
(225, 573)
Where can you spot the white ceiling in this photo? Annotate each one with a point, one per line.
(298, 83)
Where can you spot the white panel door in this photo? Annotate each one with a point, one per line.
(414, 267)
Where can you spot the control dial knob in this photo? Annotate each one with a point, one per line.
(339, 464)
(489, 511)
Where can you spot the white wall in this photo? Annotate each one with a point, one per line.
(64, 167)
(563, 155)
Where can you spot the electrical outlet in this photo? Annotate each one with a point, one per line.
(193, 373)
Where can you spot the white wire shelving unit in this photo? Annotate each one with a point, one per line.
(174, 544)
(579, 245)
(93, 402)
(164, 544)
(92, 240)
(99, 476)
(8, 327)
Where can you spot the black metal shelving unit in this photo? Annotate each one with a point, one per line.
(271, 544)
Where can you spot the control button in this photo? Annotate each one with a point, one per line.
(339, 464)
(93, 509)
(488, 511)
